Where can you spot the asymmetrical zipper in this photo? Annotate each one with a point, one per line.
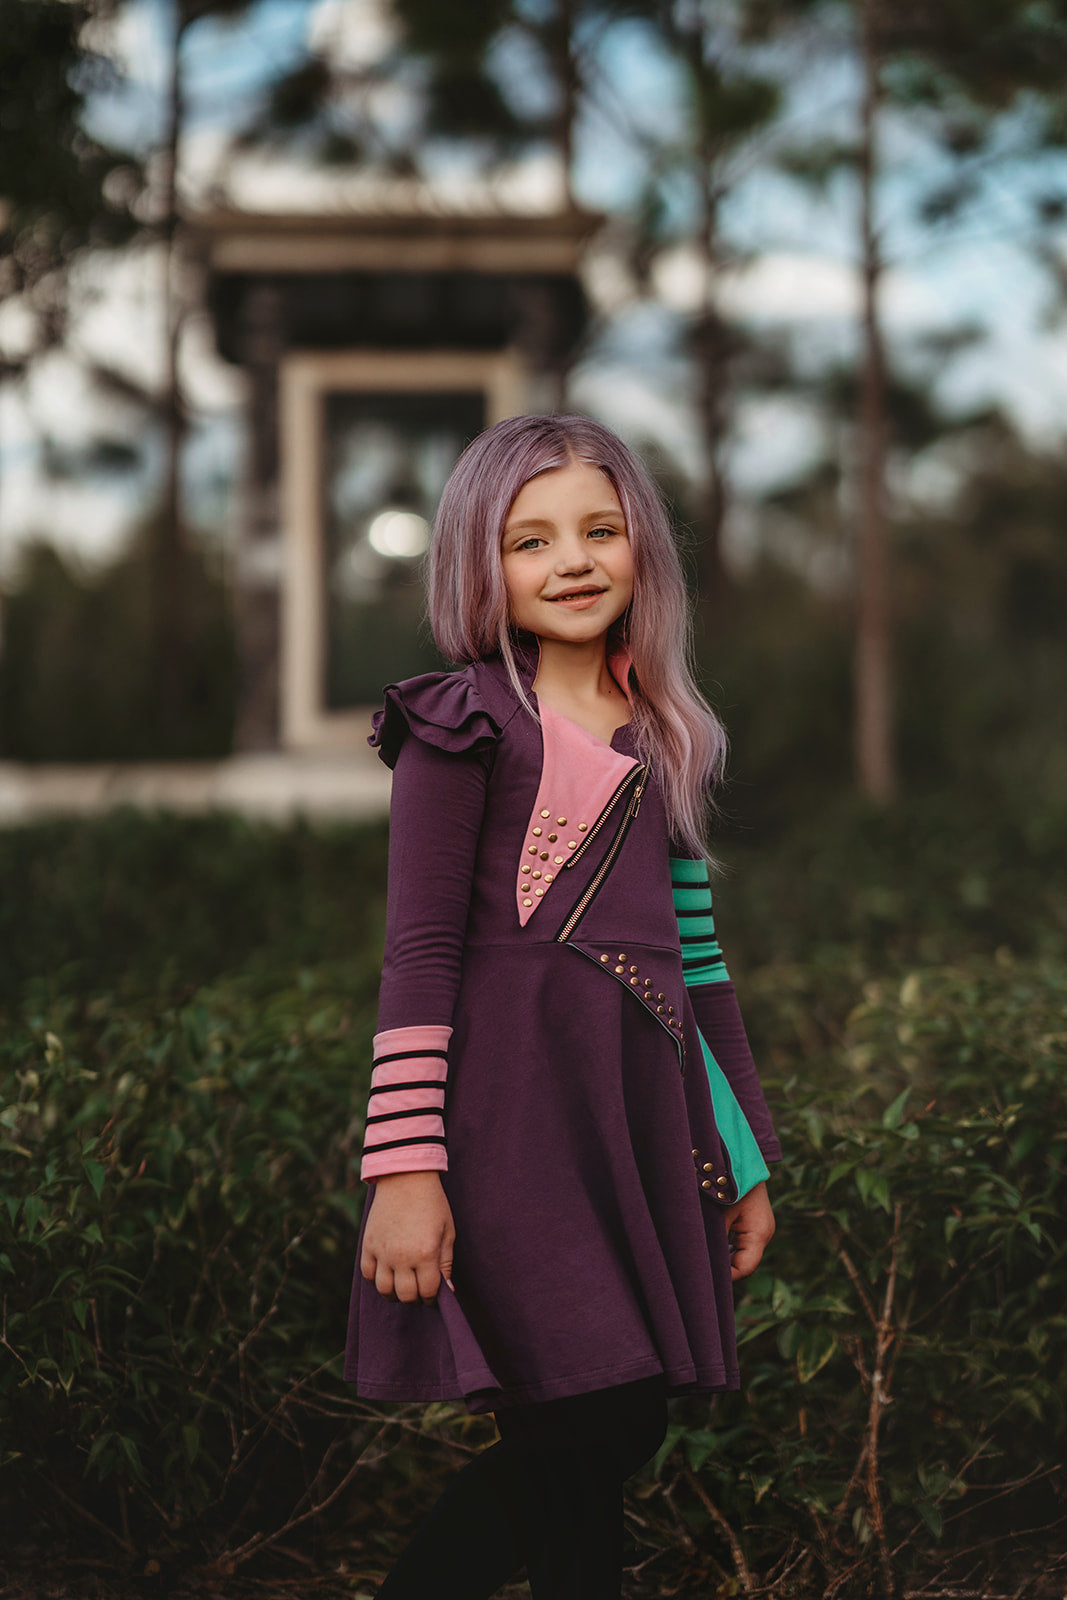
(606, 812)
(591, 890)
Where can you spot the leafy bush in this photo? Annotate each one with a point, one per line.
(78, 668)
(180, 1206)
(904, 1347)
(177, 1238)
(177, 1247)
(157, 905)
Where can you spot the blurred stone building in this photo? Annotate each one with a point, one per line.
(376, 347)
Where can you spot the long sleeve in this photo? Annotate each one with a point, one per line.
(435, 817)
(714, 1000)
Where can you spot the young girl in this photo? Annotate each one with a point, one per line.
(555, 1214)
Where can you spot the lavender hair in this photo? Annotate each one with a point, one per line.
(468, 603)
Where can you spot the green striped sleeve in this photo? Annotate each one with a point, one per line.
(701, 957)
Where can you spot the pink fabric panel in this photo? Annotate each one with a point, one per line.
(412, 1067)
(432, 1036)
(409, 1128)
(383, 1105)
(384, 1102)
(407, 1158)
(579, 775)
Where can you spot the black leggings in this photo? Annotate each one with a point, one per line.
(547, 1496)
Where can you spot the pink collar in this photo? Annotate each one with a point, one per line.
(579, 775)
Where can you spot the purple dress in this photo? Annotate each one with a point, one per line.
(577, 1110)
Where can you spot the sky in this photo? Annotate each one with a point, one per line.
(801, 283)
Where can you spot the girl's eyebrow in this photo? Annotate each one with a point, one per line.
(543, 522)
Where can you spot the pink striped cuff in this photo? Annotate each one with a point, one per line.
(405, 1129)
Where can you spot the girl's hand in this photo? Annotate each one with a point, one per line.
(407, 1243)
(749, 1228)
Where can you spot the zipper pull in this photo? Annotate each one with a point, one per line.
(636, 805)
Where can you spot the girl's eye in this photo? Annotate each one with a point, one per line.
(600, 533)
(528, 544)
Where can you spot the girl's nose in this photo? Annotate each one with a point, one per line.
(574, 556)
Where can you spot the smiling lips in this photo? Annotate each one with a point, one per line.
(576, 595)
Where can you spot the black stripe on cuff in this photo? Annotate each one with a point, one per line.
(415, 1111)
(394, 1144)
(411, 1055)
(412, 1083)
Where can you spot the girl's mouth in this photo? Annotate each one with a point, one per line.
(576, 598)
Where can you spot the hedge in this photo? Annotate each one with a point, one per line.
(180, 1203)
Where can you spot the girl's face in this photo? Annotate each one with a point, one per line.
(566, 555)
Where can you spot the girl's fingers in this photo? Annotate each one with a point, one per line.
(744, 1259)
(429, 1282)
(406, 1285)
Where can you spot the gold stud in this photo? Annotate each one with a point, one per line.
(538, 832)
(535, 874)
(552, 838)
(562, 821)
(548, 877)
(559, 861)
(620, 969)
(545, 813)
(708, 1167)
(605, 958)
(621, 956)
(633, 969)
(648, 984)
(544, 855)
(661, 997)
(582, 826)
(721, 1181)
(696, 1152)
(531, 850)
(573, 845)
(706, 1184)
(527, 902)
(670, 1011)
(539, 891)
(633, 981)
(659, 1011)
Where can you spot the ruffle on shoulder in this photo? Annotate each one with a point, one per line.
(443, 709)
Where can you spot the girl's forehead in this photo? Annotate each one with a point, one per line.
(565, 488)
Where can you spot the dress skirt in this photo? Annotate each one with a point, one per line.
(586, 1252)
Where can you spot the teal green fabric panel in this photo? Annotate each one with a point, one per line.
(746, 1164)
(702, 963)
(683, 870)
(698, 898)
(711, 974)
(702, 950)
(702, 960)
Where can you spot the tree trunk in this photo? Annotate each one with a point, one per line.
(873, 686)
(170, 559)
(709, 340)
(565, 60)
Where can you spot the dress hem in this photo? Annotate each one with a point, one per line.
(680, 1380)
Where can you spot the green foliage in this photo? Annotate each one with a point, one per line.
(179, 1203)
(903, 1349)
(53, 177)
(176, 1243)
(77, 667)
(158, 905)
